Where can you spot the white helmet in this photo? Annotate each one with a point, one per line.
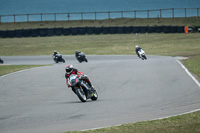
(136, 46)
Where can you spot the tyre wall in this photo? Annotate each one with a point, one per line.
(43, 32)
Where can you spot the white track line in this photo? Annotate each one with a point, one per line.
(187, 71)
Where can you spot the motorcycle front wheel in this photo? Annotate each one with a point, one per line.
(81, 95)
(86, 60)
(63, 60)
(94, 96)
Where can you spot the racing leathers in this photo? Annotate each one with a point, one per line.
(75, 71)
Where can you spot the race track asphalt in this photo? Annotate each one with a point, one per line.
(37, 100)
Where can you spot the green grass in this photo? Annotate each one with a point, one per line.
(193, 64)
(6, 69)
(119, 44)
(188, 123)
(192, 21)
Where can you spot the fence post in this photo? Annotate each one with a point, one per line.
(198, 12)
(81, 16)
(27, 18)
(108, 15)
(148, 14)
(160, 13)
(122, 15)
(185, 12)
(172, 12)
(14, 18)
(0, 19)
(41, 17)
(55, 17)
(68, 16)
(135, 14)
(95, 15)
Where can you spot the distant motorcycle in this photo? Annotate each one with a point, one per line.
(142, 54)
(58, 58)
(1, 61)
(80, 56)
(82, 89)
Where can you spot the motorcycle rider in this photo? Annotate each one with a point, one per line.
(71, 70)
(55, 53)
(77, 53)
(137, 48)
(1, 61)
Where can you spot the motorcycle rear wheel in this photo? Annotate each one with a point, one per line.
(81, 95)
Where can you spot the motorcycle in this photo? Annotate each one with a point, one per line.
(1, 61)
(80, 56)
(142, 54)
(82, 89)
(58, 58)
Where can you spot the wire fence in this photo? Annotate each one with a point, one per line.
(159, 13)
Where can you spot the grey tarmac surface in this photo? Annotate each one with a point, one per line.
(37, 100)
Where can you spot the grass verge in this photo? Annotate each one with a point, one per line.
(192, 65)
(6, 69)
(187, 123)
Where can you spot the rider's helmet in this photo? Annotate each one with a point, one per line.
(69, 69)
(136, 46)
(55, 52)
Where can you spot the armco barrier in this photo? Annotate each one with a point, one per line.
(92, 30)
(19, 33)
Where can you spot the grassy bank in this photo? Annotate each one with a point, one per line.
(119, 44)
(193, 21)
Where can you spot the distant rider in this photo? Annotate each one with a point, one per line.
(70, 70)
(55, 53)
(77, 53)
(137, 48)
